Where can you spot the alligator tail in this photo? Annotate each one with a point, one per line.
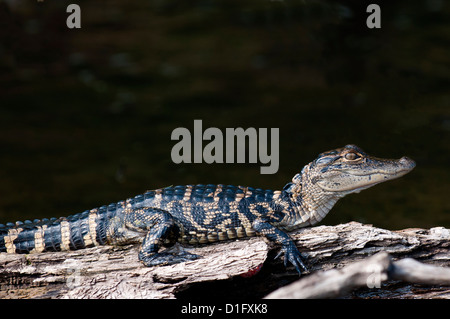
(78, 231)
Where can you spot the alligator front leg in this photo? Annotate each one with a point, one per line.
(158, 223)
(288, 247)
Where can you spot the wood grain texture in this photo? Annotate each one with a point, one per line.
(115, 272)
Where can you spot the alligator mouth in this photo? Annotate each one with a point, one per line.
(393, 174)
(380, 176)
(356, 180)
(394, 168)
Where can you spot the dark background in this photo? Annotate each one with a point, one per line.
(86, 114)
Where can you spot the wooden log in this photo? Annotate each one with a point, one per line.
(115, 272)
(410, 270)
(108, 272)
(327, 246)
(370, 273)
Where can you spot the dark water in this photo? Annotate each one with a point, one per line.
(86, 114)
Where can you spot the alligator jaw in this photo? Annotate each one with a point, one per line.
(349, 169)
(371, 173)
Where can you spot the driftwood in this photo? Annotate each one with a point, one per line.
(337, 258)
(369, 273)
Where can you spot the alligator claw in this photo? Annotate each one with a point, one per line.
(296, 261)
(279, 254)
(292, 255)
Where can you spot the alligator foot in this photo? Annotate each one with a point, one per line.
(292, 255)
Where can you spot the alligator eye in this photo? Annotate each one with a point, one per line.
(351, 156)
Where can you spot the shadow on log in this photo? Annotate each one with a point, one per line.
(338, 254)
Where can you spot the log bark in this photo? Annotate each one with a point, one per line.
(115, 272)
(368, 273)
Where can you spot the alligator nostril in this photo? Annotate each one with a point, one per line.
(407, 161)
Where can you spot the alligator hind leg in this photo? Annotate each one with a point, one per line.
(159, 224)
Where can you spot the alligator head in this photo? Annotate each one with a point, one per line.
(336, 173)
(349, 170)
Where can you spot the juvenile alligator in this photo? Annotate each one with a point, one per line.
(200, 214)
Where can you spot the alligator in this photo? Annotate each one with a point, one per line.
(202, 214)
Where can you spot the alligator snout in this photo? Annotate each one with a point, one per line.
(407, 162)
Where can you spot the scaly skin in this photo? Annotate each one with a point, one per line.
(201, 214)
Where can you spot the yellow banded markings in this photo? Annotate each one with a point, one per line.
(39, 244)
(158, 194)
(187, 193)
(13, 233)
(276, 195)
(65, 235)
(217, 192)
(90, 237)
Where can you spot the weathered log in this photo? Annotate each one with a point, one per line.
(410, 270)
(108, 272)
(111, 272)
(369, 273)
